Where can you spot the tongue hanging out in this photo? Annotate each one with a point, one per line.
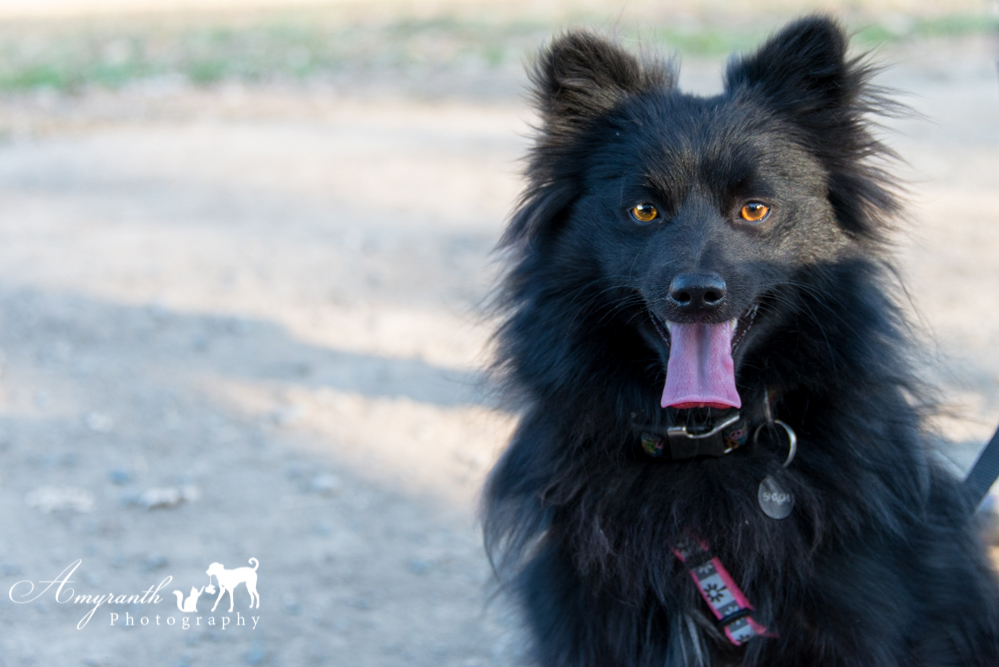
(700, 372)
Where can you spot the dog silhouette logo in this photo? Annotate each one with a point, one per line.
(230, 579)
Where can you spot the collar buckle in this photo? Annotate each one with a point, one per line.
(715, 438)
(676, 432)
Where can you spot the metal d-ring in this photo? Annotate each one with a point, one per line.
(792, 440)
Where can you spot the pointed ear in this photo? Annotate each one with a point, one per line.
(580, 76)
(803, 73)
(800, 70)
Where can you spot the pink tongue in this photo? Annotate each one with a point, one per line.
(700, 372)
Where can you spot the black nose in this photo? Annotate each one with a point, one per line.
(697, 292)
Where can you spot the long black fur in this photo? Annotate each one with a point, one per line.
(879, 563)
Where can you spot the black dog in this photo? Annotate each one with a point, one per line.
(695, 283)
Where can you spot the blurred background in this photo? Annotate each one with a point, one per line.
(244, 251)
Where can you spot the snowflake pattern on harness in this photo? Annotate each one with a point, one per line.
(721, 594)
(714, 592)
(705, 571)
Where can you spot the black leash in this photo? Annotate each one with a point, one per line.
(985, 471)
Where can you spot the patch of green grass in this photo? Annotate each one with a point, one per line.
(72, 56)
(707, 41)
(493, 54)
(206, 71)
(34, 76)
(874, 34)
(956, 25)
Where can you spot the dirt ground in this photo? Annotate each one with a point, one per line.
(247, 322)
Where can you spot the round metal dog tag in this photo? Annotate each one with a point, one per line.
(775, 502)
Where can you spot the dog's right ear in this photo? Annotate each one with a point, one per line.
(580, 76)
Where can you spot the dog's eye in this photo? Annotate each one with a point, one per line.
(754, 211)
(645, 212)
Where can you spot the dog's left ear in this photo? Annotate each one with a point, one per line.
(803, 73)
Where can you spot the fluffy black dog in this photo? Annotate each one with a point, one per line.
(718, 266)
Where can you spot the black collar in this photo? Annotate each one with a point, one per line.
(715, 436)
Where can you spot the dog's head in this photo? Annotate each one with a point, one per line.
(214, 569)
(692, 219)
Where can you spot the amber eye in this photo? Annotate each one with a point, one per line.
(644, 213)
(754, 211)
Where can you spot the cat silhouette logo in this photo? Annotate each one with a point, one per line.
(228, 581)
(191, 603)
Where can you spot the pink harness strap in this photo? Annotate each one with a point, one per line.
(727, 602)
